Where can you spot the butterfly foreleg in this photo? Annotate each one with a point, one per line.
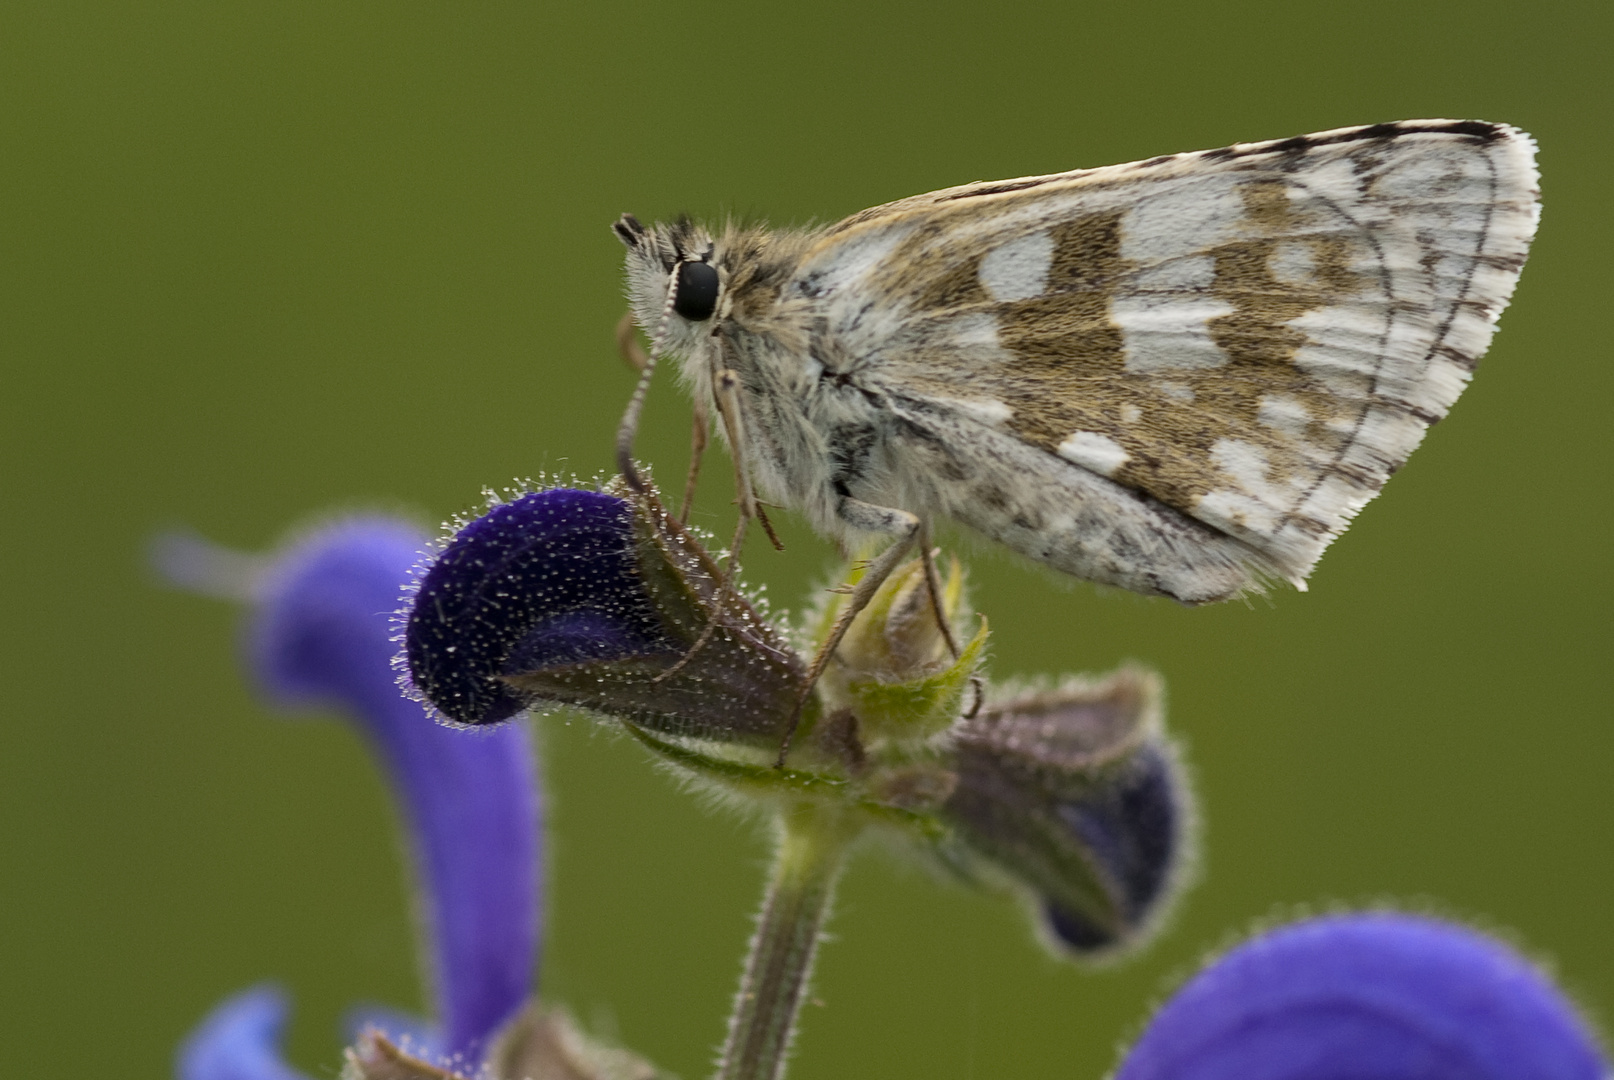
(697, 450)
(627, 344)
(725, 389)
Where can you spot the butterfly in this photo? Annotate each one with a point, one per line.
(1181, 376)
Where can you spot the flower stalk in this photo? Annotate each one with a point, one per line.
(812, 850)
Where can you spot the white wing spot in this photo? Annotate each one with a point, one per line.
(1249, 505)
(1254, 504)
(1131, 414)
(1176, 391)
(1018, 270)
(1245, 462)
(1163, 315)
(1192, 215)
(1292, 263)
(1093, 451)
(984, 409)
(1285, 414)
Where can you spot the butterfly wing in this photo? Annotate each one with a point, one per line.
(1254, 338)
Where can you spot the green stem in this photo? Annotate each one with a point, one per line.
(812, 849)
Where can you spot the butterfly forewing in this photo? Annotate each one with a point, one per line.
(1253, 337)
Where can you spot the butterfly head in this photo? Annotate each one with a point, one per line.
(671, 262)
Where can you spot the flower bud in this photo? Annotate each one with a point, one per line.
(1077, 797)
(896, 638)
(590, 599)
(894, 671)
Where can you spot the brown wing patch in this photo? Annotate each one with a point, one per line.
(1070, 372)
(1065, 340)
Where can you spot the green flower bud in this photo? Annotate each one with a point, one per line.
(894, 671)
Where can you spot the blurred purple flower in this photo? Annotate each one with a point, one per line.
(239, 1040)
(321, 636)
(1367, 997)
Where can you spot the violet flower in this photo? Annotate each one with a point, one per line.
(1367, 997)
(321, 636)
(589, 599)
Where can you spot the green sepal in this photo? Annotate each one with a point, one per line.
(916, 709)
(765, 781)
(743, 777)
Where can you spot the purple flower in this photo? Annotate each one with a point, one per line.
(239, 1040)
(585, 598)
(545, 580)
(321, 636)
(1367, 997)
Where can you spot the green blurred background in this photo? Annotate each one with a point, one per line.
(261, 261)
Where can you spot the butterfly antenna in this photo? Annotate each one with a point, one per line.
(629, 427)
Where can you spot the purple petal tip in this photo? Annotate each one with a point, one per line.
(239, 1040)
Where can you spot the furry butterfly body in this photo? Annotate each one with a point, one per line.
(1182, 376)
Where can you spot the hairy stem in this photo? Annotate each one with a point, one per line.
(812, 848)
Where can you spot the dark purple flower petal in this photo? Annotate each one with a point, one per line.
(239, 1040)
(321, 635)
(1380, 997)
(1077, 796)
(585, 598)
(547, 578)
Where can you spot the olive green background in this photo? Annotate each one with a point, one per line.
(262, 261)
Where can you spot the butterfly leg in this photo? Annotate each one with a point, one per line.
(938, 609)
(864, 517)
(726, 387)
(927, 559)
(697, 450)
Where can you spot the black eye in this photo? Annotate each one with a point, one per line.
(696, 297)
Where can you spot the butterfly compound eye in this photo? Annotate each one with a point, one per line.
(696, 297)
